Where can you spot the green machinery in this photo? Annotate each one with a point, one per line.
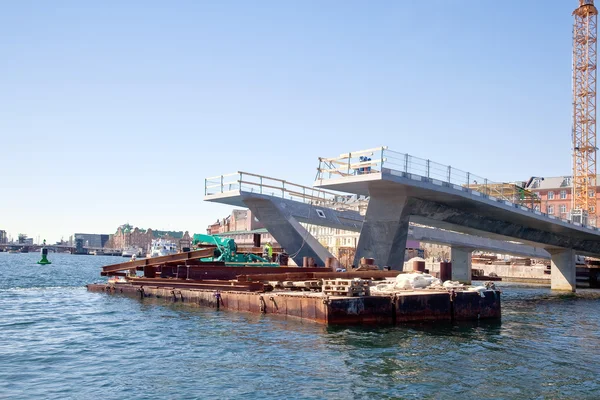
(226, 251)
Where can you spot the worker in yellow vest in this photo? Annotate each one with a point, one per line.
(268, 251)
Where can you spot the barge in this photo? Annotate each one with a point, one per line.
(316, 294)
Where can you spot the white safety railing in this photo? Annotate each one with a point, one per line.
(253, 183)
(381, 159)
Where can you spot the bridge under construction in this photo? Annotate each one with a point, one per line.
(390, 196)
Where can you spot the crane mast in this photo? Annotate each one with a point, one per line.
(584, 111)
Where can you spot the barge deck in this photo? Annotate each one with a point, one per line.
(317, 294)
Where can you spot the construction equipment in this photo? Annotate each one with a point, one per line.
(227, 251)
(584, 111)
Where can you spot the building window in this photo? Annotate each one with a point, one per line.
(550, 210)
(563, 194)
(592, 193)
(563, 209)
(537, 194)
(550, 195)
(537, 208)
(592, 209)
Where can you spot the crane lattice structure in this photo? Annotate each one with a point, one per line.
(584, 109)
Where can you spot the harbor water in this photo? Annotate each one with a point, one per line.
(58, 341)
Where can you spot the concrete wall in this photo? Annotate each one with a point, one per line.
(507, 271)
(514, 271)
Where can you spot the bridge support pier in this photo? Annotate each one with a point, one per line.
(563, 272)
(288, 232)
(461, 264)
(385, 230)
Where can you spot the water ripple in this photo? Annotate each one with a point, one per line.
(58, 341)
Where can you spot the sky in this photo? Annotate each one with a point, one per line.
(115, 111)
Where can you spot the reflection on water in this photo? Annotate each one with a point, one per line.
(59, 341)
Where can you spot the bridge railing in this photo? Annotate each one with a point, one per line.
(261, 184)
(381, 159)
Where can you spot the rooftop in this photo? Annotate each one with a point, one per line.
(554, 182)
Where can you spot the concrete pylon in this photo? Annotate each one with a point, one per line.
(563, 275)
(288, 232)
(461, 264)
(385, 229)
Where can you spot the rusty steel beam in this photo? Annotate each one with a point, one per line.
(196, 262)
(179, 257)
(301, 276)
(227, 273)
(193, 284)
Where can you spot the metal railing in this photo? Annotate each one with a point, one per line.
(381, 159)
(253, 183)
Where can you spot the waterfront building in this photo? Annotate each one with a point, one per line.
(127, 235)
(23, 239)
(555, 194)
(3, 237)
(238, 220)
(92, 239)
(241, 226)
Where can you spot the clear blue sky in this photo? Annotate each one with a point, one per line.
(115, 111)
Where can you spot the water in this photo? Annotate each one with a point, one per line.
(57, 341)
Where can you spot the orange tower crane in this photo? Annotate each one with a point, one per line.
(584, 110)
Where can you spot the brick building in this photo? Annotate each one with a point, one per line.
(555, 194)
(127, 235)
(239, 220)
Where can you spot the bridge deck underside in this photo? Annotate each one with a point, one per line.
(421, 233)
(465, 212)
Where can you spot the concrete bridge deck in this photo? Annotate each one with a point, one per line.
(281, 211)
(404, 188)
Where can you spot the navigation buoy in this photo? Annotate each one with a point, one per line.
(44, 251)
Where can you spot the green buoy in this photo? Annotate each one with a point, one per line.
(44, 260)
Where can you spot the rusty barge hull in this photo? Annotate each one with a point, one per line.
(416, 306)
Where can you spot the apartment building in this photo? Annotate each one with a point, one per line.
(556, 198)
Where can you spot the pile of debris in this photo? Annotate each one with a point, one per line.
(405, 282)
(420, 281)
(346, 287)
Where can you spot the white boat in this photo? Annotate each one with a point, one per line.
(131, 251)
(162, 247)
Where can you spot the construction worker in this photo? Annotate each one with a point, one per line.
(268, 251)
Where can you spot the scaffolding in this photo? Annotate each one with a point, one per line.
(510, 192)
